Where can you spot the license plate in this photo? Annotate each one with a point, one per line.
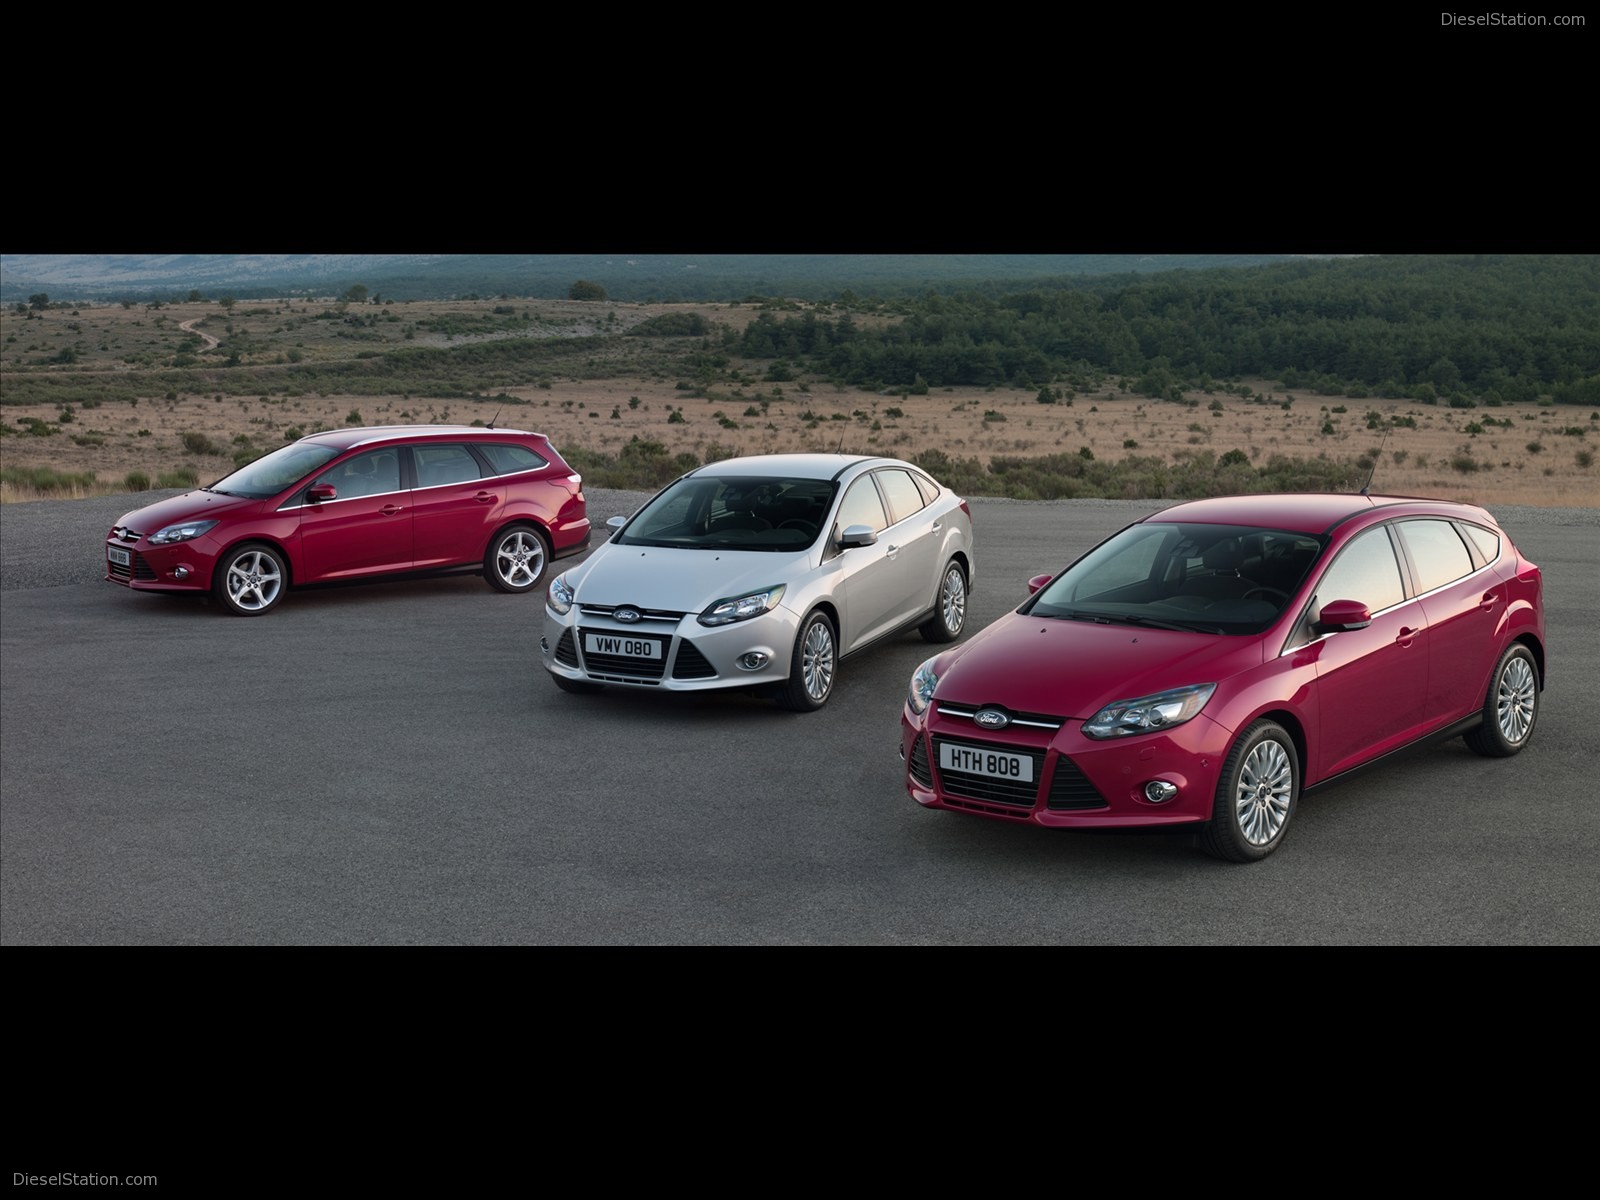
(624, 647)
(121, 557)
(996, 764)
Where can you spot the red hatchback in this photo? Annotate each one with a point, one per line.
(358, 503)
(1209, 664)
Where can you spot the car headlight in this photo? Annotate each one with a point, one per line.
(181, 532)
(1146, 714)
(560, 595)
(923, 680)
(742, 608)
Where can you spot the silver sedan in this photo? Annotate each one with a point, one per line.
(763, 573)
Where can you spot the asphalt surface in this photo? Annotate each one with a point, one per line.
(388, 765)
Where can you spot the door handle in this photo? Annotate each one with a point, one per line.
(389, 510)
(485, 497)
(1406, 636)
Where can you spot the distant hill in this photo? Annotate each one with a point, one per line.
(644, 277)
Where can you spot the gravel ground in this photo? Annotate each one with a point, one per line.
(55, 543)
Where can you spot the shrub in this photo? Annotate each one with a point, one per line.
(184, 478)
(199, 443)
(136, 481)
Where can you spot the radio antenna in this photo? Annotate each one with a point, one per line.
(1376, 459)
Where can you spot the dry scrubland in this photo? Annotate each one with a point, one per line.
(1514, 454)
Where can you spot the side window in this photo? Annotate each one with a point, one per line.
(1437, 552)
(369, 474)
(929, 489)
(862, 507)
(904, 497)
(438, 465)
(1366, 570)
(1486, 540)
(506, 457)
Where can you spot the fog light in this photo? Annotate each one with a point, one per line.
(181, 573)
(1159, 791)
(753, 661)
(544, 645)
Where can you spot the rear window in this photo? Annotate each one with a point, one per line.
(506, 457)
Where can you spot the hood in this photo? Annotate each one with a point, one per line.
(680, 580)
(191, 506)
(1073, 669)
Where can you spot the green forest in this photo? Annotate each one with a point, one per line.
(1480, 329)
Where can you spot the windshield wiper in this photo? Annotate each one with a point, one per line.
(1177, 626)
(1127, 619)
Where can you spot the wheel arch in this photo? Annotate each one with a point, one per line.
(1291, 725)
(290, 566)
(1536, 648)
(529, 522)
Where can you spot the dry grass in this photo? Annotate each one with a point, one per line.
(602, 415)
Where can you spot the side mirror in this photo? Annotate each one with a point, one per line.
(318, 492)
(615, 523)
(1037, 582)
(1340, 616)
(857, 535)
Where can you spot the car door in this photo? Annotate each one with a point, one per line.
(366, 529)
(1464, 603)
(868, 593)
(915, 539)
(1372, 682)
(456, 507)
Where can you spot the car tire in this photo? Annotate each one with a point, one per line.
(1256, 795)
(1511, 707)
(578, 687)
(250, 580)
(812, 666)
(517, 559)
(950, 608)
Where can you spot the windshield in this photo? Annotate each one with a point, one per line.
(711, 512)
(274, 472)
(1228, 579)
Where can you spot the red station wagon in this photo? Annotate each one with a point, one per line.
(1206, 665)
(359, 503)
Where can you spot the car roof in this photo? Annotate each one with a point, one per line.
(345, 439)
(797, 466)
(1312, 512)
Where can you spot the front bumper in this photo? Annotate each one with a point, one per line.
(1076, 782)
(683, 656)
(180, 567)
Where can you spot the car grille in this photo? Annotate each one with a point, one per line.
(983, 787)
(140, 570)
(659, 615)
(622, 668)
(691, 664)
(566, 650)
(919, 763)
(966, 712)
(1070, 788)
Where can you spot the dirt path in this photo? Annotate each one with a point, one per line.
(189, 327)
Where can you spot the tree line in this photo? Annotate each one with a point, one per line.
(1482, 327)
